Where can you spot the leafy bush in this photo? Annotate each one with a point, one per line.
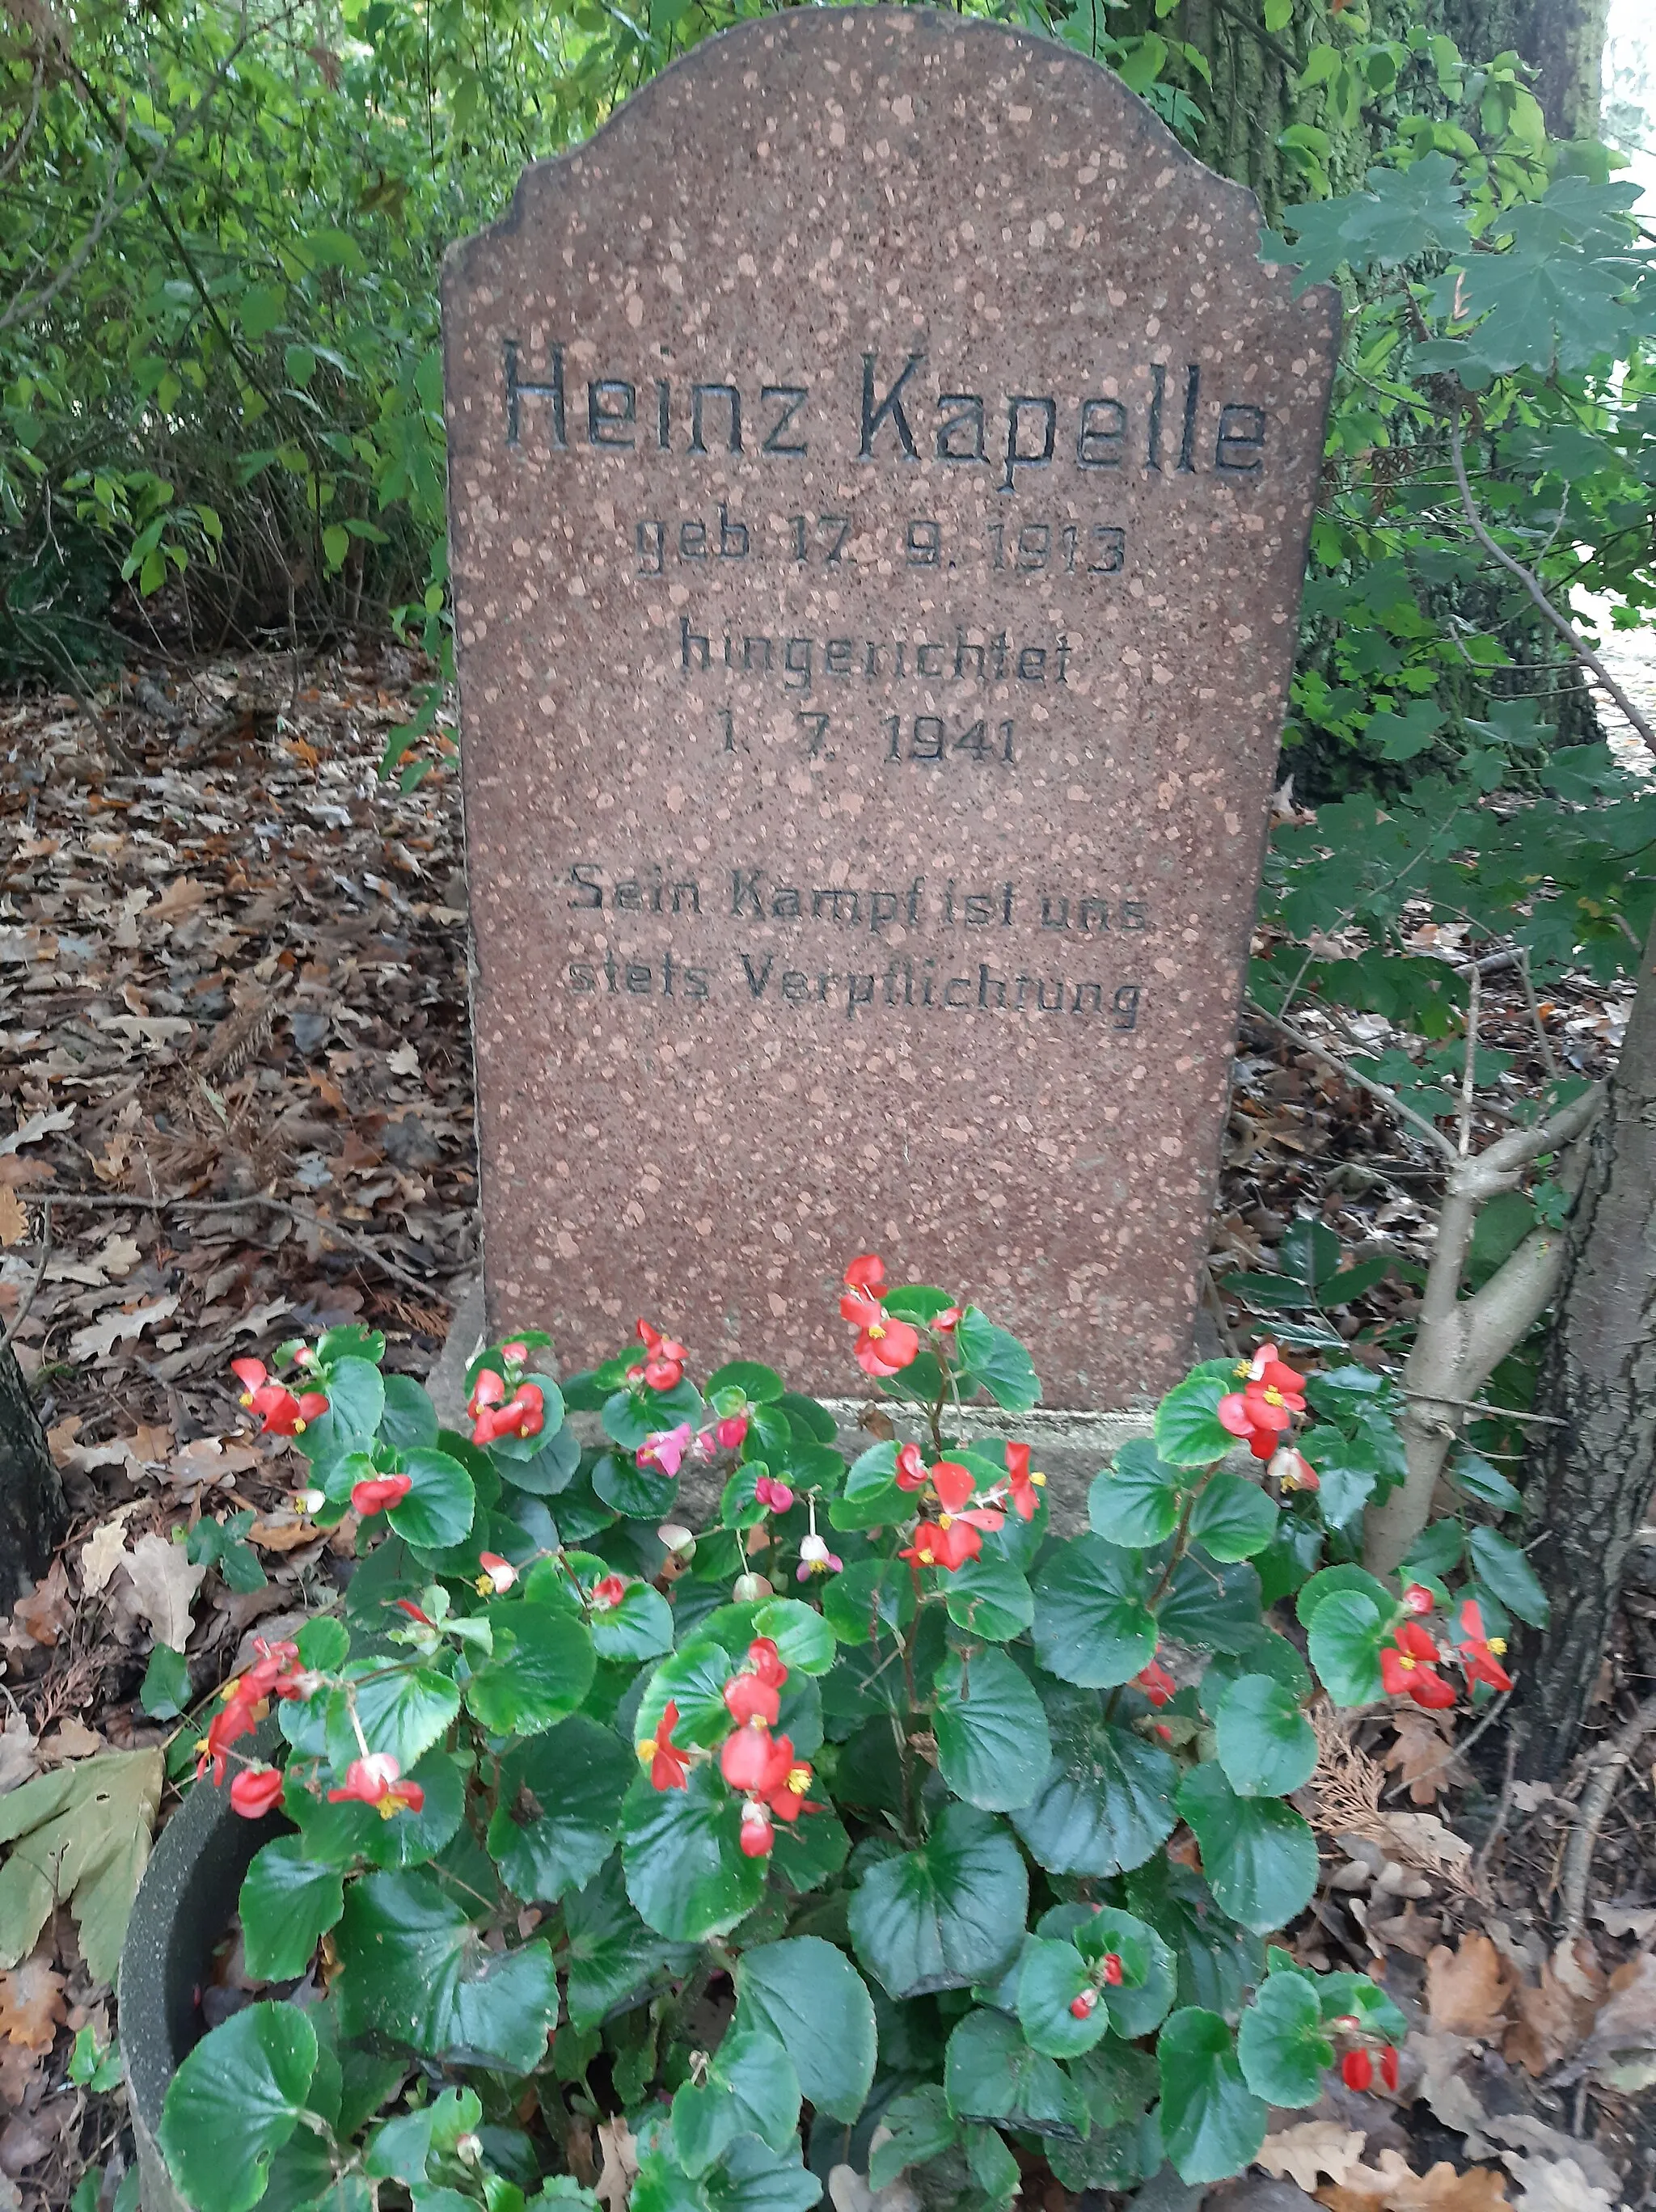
(839, 1832)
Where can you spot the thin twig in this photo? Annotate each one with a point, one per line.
(1566, 629)
(21, 1314)
(1503, 1810)
(1455, 1750)
(294, 1213)
(1469, 1073)
(1387, 1098)
(1605, 1773)
(1548, 1056)
(1494, 1412)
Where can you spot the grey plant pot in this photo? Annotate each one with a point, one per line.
(185, 1903)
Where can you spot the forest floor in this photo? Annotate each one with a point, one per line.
(233, 963)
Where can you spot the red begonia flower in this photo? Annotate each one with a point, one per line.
(663, 1367)
(747, 1698)
(788, 1780)
(375, 1781)
(947, 1543)
(954, 1483)
(1480, 1655)
(1084, 2003)
(1110, 1967)
(757, 1834)
(407, 1605)
(857, 1307)
(776, 1496)
(255, 1790)
(911, 1468)
(766, 1661)
(1357, 2069)
(731, 1431)
(1389, 2069)
(948, 1320)
(379, 1493)
(497, 1577)
(866, 1272)
(667, 1765)
(1418, 1600)
(608, 1592)
(1292, 1470)
(1408, 1669)
(745, 1758)
(1025, 1485)
(885, 1348)
(1157, 1684)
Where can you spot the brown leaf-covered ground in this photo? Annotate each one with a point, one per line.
(239, 1108)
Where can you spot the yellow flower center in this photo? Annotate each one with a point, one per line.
(1404, 1660)
(946, 1520)
(1274, 1397)
(230, 1688)
(876, 1328)
(646, 1749)
(1497, 1644)
(483, 1585)
(247, 1397)
(1038, 1479)
(298, 1428)
(925, 1559)
(389, 1807)
(799, 1780)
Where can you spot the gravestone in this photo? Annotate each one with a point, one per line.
(880, 471)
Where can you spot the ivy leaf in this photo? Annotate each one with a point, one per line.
(990, 2073)
(1232, 1518)
(613, 1957)
(1212, 2123)
(419, 1977)
(1092, 1624)
(1280, 2045)
(1135, 1501)
(1258, 1854)
(947, 1915)
(558, 1811)
(992, 1741)
(807, 1993)
(234, 2100)
(542, 1669)
(288, 1900)
(1267, 1747)
(1503, 1569)
(682, 1856)
(1106, 1801)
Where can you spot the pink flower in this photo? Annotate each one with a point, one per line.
(667, 1450)
(774, 1494)
(731, 1431)
(816, 1558)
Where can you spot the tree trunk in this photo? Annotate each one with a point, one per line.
(1562, 40)
(33, 1510)
(1591, 1478)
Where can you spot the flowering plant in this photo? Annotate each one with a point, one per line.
(874, 1825)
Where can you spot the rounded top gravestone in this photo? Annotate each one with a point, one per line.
(881, 470)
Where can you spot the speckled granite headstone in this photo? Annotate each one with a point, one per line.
(881, 470)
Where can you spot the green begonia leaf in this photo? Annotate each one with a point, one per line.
(1280, 2042)
(1232, 1518)
(947, 1915)
(992, 1741)
(990, 2073)
(1267, 1747)
(558, 1811)
(419, 1976)
(1212, 2123)
(235, 2099)
(808, 1993)
(682, 1856)
(1105, 1802)
(288, 1901)
(614, 1957)
(1093, 1624)
(542, 1669)
(1135, 1501)
(1258, 1854)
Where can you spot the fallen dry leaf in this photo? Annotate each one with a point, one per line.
(32, 2003)
(1555, 2018)
(164, 1584)
(1620, 1918)
(1392, 2185)
(48, 1609)
(1416, 1933)
(1423, 1840)
(14, 1219)
(99, 1339)
(1621, 2049)
(620, 2149)
(285, 1534)
(1467, 1990)
(1556, 2186)
(181, 897)
(1311, 2147)
(70, 1739)
(16, 1752)
(105, 1548)
(36, 1126)
(208, 1460)
(1420, 1754)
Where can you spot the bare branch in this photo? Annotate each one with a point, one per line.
(1469, 1073)
(1389, 1099)
(1566, 629)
